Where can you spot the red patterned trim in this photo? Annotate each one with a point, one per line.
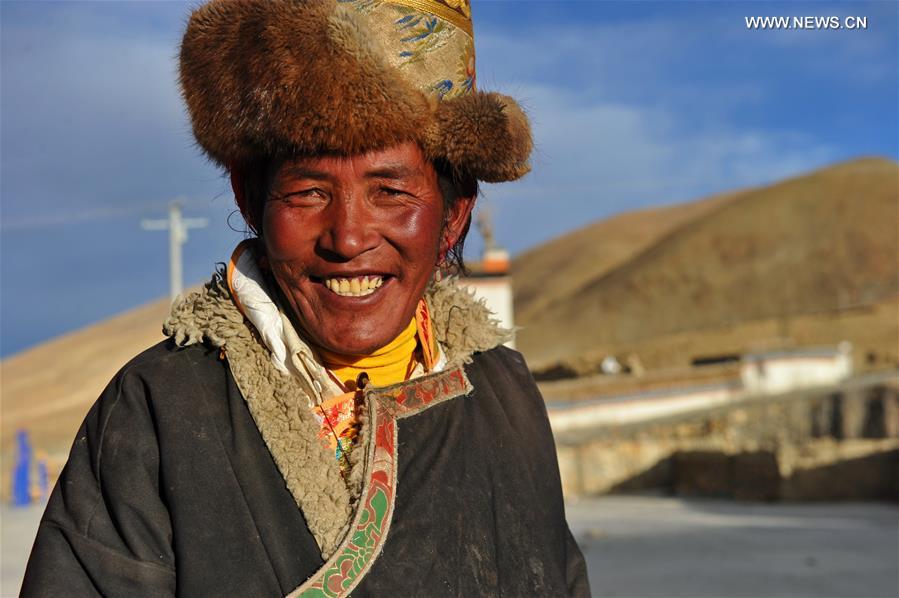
(404, 400)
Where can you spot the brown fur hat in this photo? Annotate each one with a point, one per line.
(281, 78)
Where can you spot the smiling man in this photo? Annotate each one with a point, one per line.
(330, 416)
(353, 241)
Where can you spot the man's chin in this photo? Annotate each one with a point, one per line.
(357, 335)
(358, 347)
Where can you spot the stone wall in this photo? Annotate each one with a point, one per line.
(841, 443)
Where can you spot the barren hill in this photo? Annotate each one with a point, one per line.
(48, 389)
(576, 258)
(823, 242)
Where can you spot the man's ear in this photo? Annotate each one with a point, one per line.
(238, 186)
(458, 219)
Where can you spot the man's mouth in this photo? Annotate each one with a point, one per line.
(358, 286)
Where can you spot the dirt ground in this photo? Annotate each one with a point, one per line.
(652, 546)
(671, 547)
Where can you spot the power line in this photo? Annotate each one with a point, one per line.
(56, 218)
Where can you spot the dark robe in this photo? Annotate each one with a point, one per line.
(170, 490)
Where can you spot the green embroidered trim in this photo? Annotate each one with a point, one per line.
(357, 553)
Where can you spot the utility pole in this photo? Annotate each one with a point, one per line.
(177, 227)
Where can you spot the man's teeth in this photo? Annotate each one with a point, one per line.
(354, 287)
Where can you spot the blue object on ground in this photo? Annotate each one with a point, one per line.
(21, 481)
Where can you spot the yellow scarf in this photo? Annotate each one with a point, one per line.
(391, 364)
(388, 365)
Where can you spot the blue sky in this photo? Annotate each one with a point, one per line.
(634, 104)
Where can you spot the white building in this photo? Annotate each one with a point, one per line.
(489, 278)
(778, 372)
(490, 281)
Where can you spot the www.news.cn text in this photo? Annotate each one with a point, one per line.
(807, 22)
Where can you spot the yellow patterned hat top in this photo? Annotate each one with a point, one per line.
(275, 78)
(430, 42)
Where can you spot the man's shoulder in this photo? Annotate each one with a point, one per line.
(162, 383)
(505, 358)
(507, 372)
(503, 384)
(167, 356)
(166, 365)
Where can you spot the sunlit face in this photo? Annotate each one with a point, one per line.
(352, 242)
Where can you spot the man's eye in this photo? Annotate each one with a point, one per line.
(392, 191)
(303, 195)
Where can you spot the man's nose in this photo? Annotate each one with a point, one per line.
(349, 231)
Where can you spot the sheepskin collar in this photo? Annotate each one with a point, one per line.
(279, 403)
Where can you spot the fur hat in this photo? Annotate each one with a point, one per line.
(280, 78)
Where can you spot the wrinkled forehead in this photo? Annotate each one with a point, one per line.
(406, 160)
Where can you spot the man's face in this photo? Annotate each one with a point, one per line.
(352, 242)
